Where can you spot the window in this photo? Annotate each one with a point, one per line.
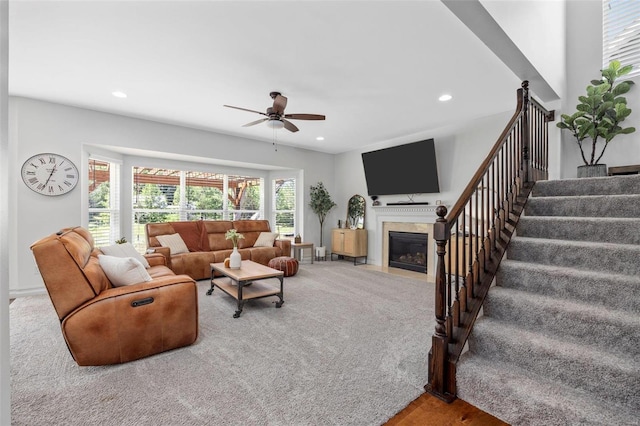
(621, 33)
(162, 195)
(104, 201)
(284, 206)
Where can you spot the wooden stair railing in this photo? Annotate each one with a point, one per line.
(472, 239)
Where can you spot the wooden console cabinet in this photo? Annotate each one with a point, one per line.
(349, 243)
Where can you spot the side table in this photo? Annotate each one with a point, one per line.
(298, 250)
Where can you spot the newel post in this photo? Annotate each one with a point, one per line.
(525, 132)
(440, 382)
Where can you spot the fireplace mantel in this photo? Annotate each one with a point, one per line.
(404, 210)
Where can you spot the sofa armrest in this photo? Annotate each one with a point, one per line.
(126, 323)
(156, 259)
(284, 245)
(166, 252)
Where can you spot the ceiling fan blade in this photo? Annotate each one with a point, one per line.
(279, 104)
(244, 109)
(305, 116)
(289, 126)
(253, 123)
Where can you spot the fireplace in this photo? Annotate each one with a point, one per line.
(408, 250)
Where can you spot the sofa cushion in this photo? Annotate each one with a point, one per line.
(251, 230)
(155, 229)
(191, 233)
(174, 242)
(215, 230)
(124, 250)
(266, 239)
(123, 271)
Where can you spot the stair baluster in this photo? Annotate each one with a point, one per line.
(506, 176)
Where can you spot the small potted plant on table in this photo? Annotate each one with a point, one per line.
(235, 260)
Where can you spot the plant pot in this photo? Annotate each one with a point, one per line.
(597, 170)
(321, 252)
(235, 260)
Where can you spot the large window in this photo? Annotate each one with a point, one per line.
(163, 195)
(621, 33)
(284, 206)
(104, 201)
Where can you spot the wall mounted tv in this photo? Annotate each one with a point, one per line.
(402, 169)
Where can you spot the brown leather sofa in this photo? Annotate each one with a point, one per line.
(103, 324)
(207, 244)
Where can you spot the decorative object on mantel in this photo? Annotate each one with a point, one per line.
(235, 259)
(355, 212)
(375, 200)
(320, 203)
(599, 116)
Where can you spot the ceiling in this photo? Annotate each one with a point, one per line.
(374, 68)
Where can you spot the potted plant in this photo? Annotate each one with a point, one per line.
(235, 259)
(321, 203)
(598, 117)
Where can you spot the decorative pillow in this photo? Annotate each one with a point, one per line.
(174, 242)
(124, 250)
(123, 270)
(266, 239)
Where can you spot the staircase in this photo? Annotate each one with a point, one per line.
(559, 339)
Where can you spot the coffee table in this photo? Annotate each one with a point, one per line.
(246, 283)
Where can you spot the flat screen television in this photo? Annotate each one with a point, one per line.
(402, 169)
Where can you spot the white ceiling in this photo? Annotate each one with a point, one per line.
(375, 69)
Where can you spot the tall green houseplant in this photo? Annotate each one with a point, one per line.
(600, 113)
(321, 203)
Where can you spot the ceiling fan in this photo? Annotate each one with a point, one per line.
(275, 116)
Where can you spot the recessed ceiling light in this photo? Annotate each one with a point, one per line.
(445, 98)
(119, 94)
(320, 138)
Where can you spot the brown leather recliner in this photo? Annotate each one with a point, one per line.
(103, 324)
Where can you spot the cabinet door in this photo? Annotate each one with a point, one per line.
(350, 242)
(337, 241)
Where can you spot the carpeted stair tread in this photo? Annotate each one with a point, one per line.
(588, 186)
(579, 323)
(522, 398)
(624, 205)
(602, 229)
(584, 368)
(614, 258)
(603, 289)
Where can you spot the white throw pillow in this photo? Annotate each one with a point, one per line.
(266, 239)
(174, 242)
(124, 250)
(123, 270)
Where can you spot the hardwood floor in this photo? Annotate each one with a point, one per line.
(428, 410)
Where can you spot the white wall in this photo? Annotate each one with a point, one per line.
(37, 126)
(459, 152)
(538, 29)
(584, 61)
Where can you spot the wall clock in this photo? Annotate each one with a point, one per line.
(50, 174)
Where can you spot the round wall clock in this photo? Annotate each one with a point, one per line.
(50, 174)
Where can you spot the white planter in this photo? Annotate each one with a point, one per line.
(235, 259)
(321, 252)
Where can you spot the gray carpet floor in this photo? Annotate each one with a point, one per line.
(349, 347)
(559, 342)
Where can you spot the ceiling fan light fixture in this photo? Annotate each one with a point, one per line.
(275, 124)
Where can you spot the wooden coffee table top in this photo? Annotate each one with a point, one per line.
(248, 271)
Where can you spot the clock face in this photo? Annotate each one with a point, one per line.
(50, 174)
